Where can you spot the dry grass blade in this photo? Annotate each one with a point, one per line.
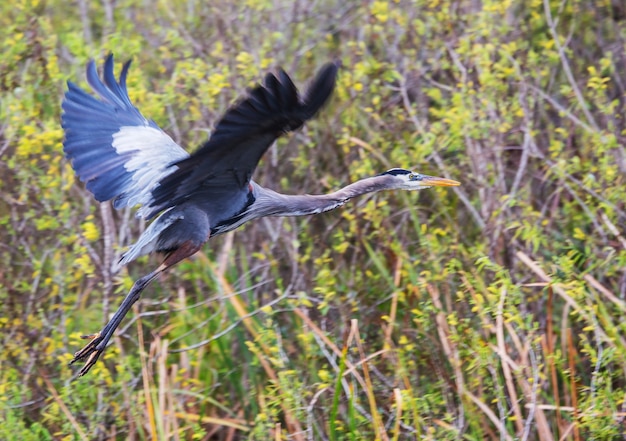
(397, 395)
(548, 349)
(277, 433)
(444, 336)
(605, 292)
(376, 419)
(488, 413)
(314, 328)
(613, 229)
(559, 290)
(370, 149)
(506, 370)
(240, 425)
(146, 376)
(63, 407)
(293, 425)
(571, 357)
(550, 407)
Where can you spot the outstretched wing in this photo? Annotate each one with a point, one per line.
(113, 148)
(227, 160)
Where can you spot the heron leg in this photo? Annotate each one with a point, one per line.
(92, 351)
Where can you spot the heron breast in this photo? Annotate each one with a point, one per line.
(191, 226)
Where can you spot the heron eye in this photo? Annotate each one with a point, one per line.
(414, 177)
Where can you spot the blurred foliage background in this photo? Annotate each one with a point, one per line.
(492, 311)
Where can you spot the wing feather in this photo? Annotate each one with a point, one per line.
(228, 159)
(113, 148)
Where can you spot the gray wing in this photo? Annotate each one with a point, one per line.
(225, 163)
(113, 148)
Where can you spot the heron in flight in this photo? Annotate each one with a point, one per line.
(124, 157)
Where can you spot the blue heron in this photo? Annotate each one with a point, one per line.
(124, 157)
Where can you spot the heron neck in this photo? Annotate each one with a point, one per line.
(271, 203)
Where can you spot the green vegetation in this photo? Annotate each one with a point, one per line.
(492, 312)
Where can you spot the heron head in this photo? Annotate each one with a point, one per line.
(410, 180)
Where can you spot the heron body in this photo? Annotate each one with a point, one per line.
(124, 157)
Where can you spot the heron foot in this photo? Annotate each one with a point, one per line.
(91, 352)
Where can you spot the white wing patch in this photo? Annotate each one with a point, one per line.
(150, 151)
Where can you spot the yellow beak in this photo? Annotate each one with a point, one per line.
(432, 181)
